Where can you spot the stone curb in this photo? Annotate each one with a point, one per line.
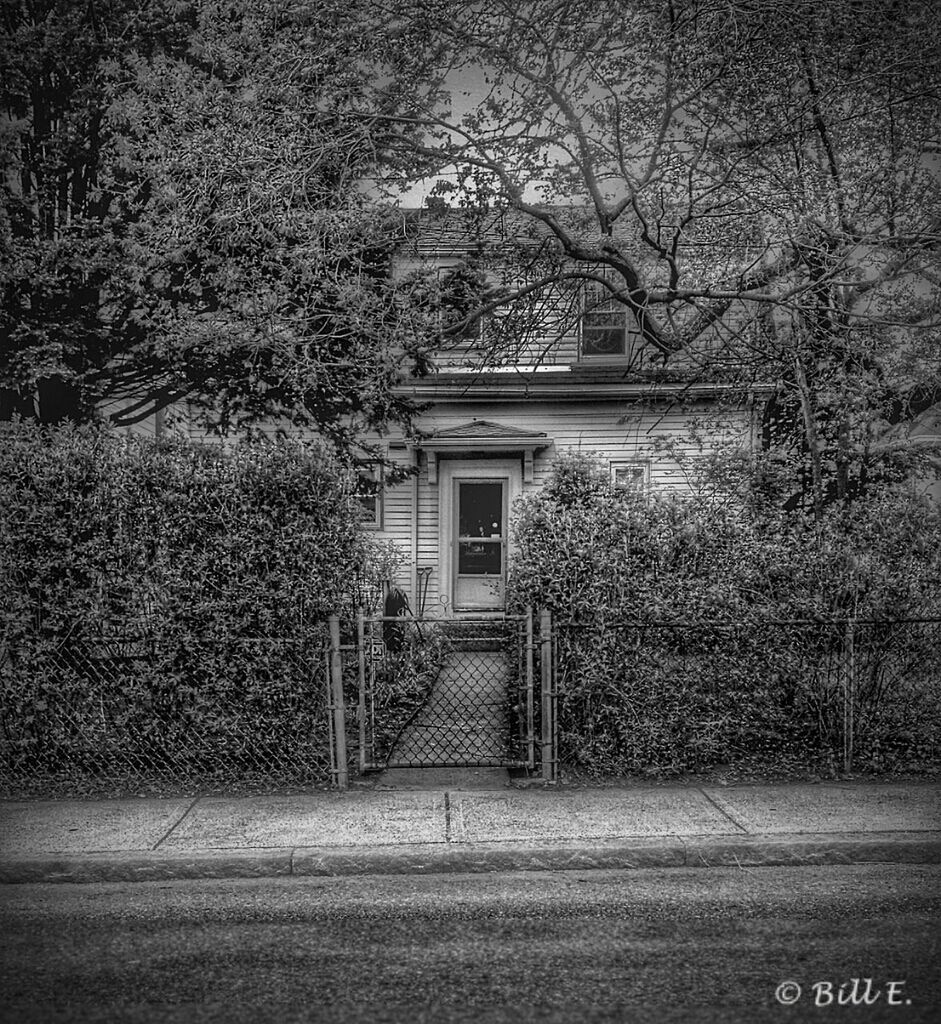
(441, 858)
(146, 866)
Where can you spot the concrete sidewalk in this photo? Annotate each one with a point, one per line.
(399, 829)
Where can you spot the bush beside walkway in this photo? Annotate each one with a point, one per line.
(698, 631)
(162, 607)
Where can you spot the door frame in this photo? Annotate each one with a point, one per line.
(506, 469)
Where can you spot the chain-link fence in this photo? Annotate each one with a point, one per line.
(673, 696)
(130, 714)
(119, 713)
(442, 692)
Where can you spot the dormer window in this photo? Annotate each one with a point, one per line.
(609, 330)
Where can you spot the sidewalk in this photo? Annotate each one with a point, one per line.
(467, 823)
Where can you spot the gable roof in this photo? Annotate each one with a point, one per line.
(483, 436)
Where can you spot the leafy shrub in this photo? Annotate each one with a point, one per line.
(675, 624)
(163, 602)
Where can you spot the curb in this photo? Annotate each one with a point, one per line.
(477, 858)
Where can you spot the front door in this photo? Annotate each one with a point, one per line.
(480, 549)
(476, 498)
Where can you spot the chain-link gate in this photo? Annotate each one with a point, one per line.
(446, 692)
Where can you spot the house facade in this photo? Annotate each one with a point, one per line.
(496, 416)
(503, 403)
(488, 438)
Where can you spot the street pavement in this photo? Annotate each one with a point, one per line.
(853, 943)
(413, 821)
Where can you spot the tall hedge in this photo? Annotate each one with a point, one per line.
(162, 603)
(696, 631)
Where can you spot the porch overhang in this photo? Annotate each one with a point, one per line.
(482, 437)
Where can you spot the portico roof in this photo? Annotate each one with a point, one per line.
(482, 436)
(484, 433)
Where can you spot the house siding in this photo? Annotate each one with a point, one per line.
(613, 430)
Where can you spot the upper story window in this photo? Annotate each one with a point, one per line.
(608, 328)
(468, 336)
(460, 290)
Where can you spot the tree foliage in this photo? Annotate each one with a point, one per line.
(757, 184)
(184, 216)
(182, 221)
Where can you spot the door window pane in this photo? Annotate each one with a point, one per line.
(479, 558)
(480, 509)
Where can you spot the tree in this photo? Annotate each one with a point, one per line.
(757, 184)
(182, 219)
(63, 229)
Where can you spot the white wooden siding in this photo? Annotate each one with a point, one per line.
(397, 519)
(617, 431)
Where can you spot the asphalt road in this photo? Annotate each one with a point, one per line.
(675, 945)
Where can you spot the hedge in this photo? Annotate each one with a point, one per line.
(699, 632)
(163, 603)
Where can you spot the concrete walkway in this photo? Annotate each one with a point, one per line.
(465, 719)
(471, 826)
(467, 821)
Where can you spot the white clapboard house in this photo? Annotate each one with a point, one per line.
(510, 394)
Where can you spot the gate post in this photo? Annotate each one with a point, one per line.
(361, 704)
(548, 746)
(337, 704)
(849, 692)
(529, 723)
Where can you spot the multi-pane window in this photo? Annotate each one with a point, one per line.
(608, 327)
(631, 476)
(369, 493)
(461, 297)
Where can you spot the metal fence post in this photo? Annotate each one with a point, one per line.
(328, 696)
(361, 705)
(548, 746)
(849, 693)
(530, 717)
(337, 704)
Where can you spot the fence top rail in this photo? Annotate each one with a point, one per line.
(735, 623)
(471, 620)
(314, 637)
